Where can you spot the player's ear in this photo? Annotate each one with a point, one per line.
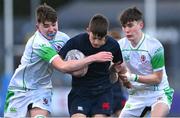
(141, 24)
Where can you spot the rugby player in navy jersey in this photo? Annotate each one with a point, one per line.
(91, 94)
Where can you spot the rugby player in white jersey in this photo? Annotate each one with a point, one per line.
(143, 55)
(30, 88)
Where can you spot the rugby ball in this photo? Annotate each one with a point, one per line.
(76, 55)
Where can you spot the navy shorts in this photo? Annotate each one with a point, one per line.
(119, 97)
(90, 105)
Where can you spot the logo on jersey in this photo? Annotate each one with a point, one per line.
(57, 47)
(80, 108)
(160, 98)
(45, 101)
(13, 109)
(105, 106)
(143, 59)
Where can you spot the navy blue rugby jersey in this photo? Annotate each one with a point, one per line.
(96, 79)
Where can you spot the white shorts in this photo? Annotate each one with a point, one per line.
(140, 100)
(17, 102)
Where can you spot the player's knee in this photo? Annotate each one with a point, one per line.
(40, 116)
(78, 115)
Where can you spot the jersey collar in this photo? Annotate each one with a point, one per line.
(139, 43)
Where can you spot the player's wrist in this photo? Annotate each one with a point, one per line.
(91, 59)
(135, 77)
(132, 77)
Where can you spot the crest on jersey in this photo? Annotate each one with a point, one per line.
(45, 101)
(57, 47)
(143, 58)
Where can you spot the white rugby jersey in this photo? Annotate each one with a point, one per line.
(33, 72)
(147, 57)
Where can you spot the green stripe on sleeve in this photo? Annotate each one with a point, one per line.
(158, 59)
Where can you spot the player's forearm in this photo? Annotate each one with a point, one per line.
(154, 78)
(150, 79)
(74, 65)
(71, 65)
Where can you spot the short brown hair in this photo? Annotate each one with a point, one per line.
(45, 13)
(131, 14)
(99, 25)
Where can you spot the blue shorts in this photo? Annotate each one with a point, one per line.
(90, 105)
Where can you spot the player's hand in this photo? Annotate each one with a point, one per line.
(122, 79)
(47, 53)
(102, 56)
(131, 77)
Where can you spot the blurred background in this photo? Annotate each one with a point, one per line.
(17, 24)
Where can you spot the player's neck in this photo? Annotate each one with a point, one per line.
(135, 42)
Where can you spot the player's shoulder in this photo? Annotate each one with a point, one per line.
(123, 41)
(152, 44)
(62, 35)
(152, 41)
(111, 41)
(37, 40)
(81, 37)
(38, 37)
(110, 38)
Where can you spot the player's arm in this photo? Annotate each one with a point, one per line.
(113, 74)
(50, 55)
(154, 78)
(116, 70)
(73, 65)
(157, 63)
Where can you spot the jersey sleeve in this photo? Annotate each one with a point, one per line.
(67, 47)
(158, 59)
(38, 47)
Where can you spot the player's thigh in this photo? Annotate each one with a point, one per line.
(126, 114)
(78, 115)
(100, 116)
(160, 109)
(104, 104)
(34, 112)
(78, 104)
(134, 107)
(41, 100)
(163, 104)
(16, 104)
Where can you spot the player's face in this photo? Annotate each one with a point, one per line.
(48, 29)
(132, 30)
(96, 42)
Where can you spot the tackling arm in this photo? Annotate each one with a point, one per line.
(50, 55)
(154, 78)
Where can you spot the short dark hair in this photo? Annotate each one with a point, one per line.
(99, 25)
(45, 13)
(131, 14)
